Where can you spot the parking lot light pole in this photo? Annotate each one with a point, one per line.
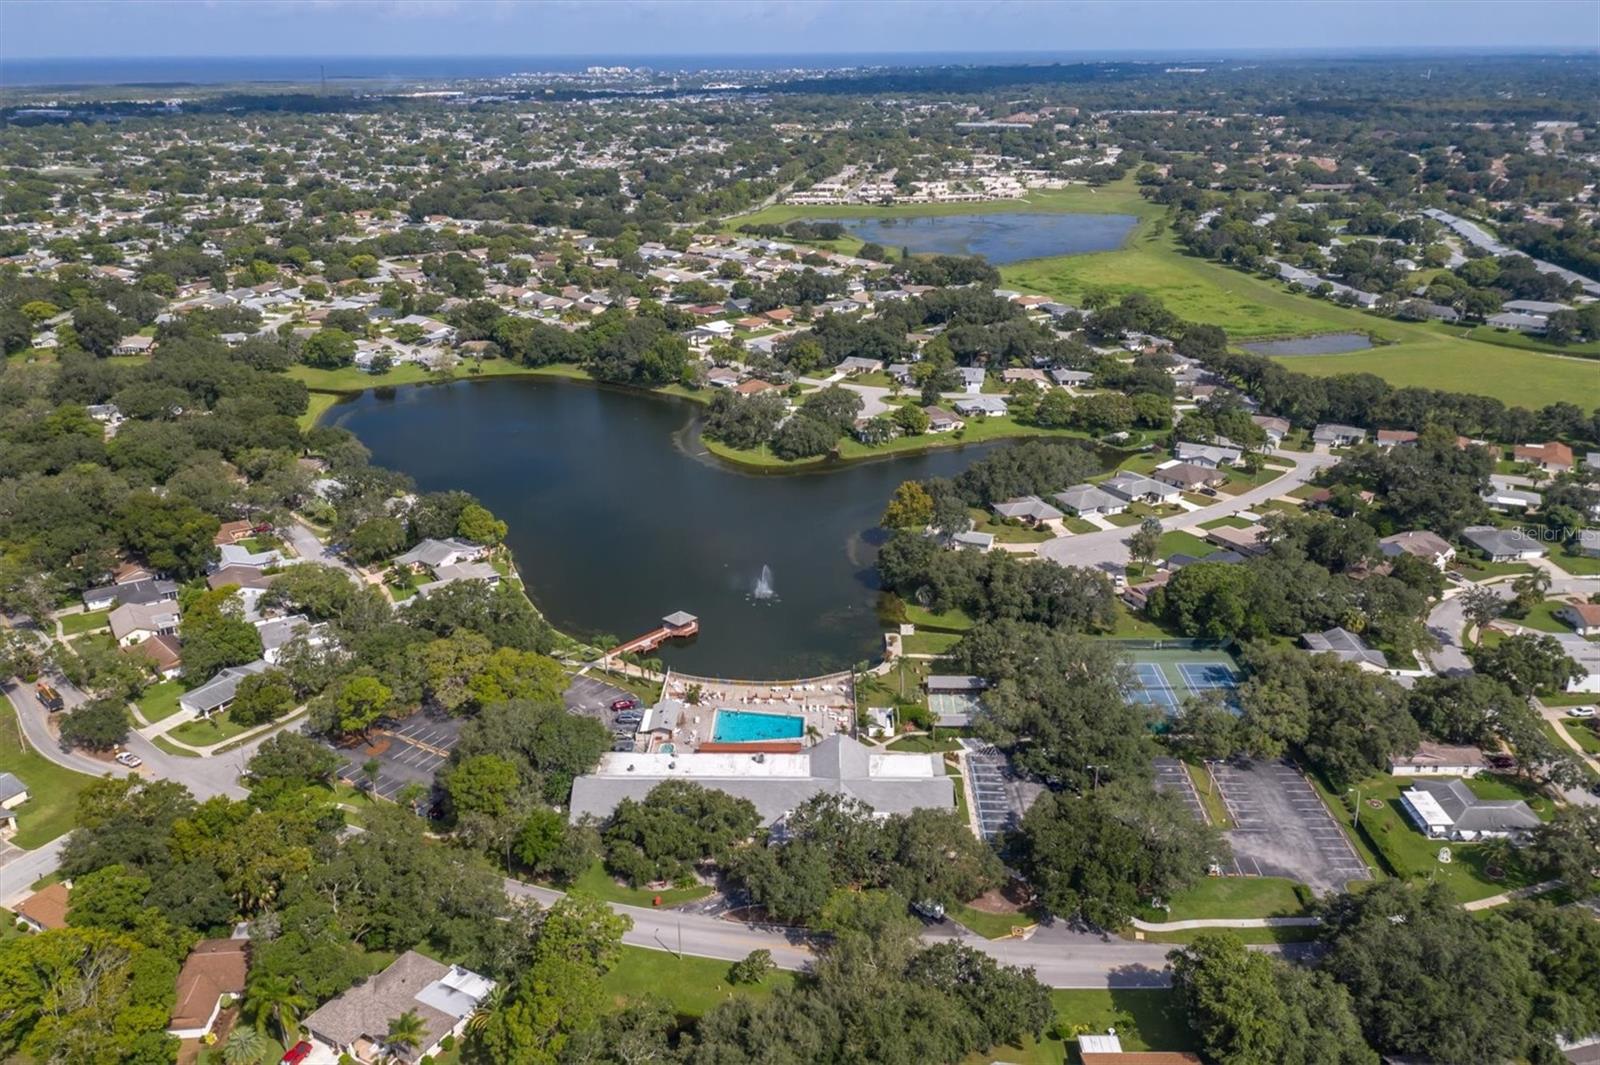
(1096, 769)
(1356, 823)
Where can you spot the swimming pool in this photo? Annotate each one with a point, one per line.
(747, 726)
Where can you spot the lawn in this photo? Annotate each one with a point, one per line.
(1144, 1020)
(929, 643)
(1577, 565)
(1542, 617)
(1409, 855)
(922, 743)
(1006, 532)
(163, 744)
(52, 790)
(599, 883)
(208, 731)
(1232, 896)
(159, 701)
(1178, 542)
(949, 621)
(990, 925)
(1210, 798)
(1584, 732)
(88, 621)
(1131, 626)
(691, 986)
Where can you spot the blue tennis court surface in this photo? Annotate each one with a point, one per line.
(1164, 679)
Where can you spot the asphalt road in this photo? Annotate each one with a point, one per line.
(1108, 549)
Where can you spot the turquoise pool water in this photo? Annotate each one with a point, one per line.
(745, 726)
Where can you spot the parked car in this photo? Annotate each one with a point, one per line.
(1503, 762)
(929, 910)
(297, 1053)
(129, 759)
(624, 704)
(1580, 711)
(629, 718)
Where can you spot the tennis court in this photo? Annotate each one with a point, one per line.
(1165, 677)
(953, 709)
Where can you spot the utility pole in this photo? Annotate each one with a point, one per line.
(1096, 769)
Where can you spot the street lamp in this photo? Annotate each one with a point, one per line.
(1356, 823)
(1096, 769)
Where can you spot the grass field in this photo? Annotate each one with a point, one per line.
(691, 986)
(52, 790)
(929, 643)
(88, 621)
(207, 731)
(1232, 896)
(160, 701)
(599, 883)
(1144, 1020)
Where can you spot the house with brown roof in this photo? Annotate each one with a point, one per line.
(753, 387)
(214, 969)
(1189, 476)
(45, 910)
(1388, 438)
(232, 532)
(1552, 457)
(1439, 759)
(1428, 546)
(442, 997)
(1583, 617)
(163, 653)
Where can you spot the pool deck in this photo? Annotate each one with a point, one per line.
(826, 704)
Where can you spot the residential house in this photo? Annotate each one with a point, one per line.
(246, 578)
(1188, 476)
(1208, 455)
(134, 345)
(1587, 543)
(276, 633)
(142, 591)
(431, 554)
(856, 364)
(127, 571)
(972, 378)
(1439, 760)
(1016, 375)
(1344, 645)
(1447, 809)
(13, 792)
(1030, 510)
(46, 909)
(214, 970)
(1072, 378)
(133, 623)
(1583, 617)
(232, 532)
(1552, 456)
(1275, 428)
(356, 1021)
(1537, 308)
(1519, 322)
(722, 377)
(217, 693)
(1586, 654)
(1428, 546)
(753, 387)
(238, 556)
(973, 406)
(970, 540)
(1250, 540)
(1332, 434)
(942, 421)
(1388, 438)
(1502, 545)
(1507, 499)
(1084, 499)
(460, 571)
(1139, 489)
(1107, 1050)
(163, 654)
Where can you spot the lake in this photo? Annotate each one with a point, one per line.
(1322, 344)
(1000, 237)
(615, 523)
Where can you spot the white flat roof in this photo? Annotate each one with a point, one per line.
(1427, 807)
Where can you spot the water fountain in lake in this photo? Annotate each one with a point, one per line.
(763, 592)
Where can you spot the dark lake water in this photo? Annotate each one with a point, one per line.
(1323, 344)
(1001, 237)
(615, 523)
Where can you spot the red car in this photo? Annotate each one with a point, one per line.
(624, 704)
(297, 1053)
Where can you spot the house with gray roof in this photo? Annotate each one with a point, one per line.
(1506, 499)
(146, 591)
(1029, 509)
(1089, 499)
(1448, 809)
(13, 792)
(1072, 378)
(890, 782)
(1212, 455)
(215, 694)
(1335, 435)
(356, 1021)
(1344, 645)
(974, 405)
(1136, 488)
(1428, 546)
(431, 554)
(1502, 545)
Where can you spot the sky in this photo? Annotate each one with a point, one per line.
(130, 28)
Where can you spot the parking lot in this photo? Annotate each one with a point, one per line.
(1172, 776)
(593, 697)
(1281, 827)
(998, 796)
(408, 751)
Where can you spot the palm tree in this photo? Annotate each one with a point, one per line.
(406, 1032)
(246, 1046)
(480, 1016)
(276, 999)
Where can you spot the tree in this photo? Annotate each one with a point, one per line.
(1246, 1007)
(752, 968)
(803, 436)
(329, 349)
(262, 697)
(677, 824)
(540, 839)
(1145, 543)
(1102, 855)
(171, 534)
(99, 725)
(289, 760)
(405, 1032)
(1568, 848)
(1528, 664)
(1210, 600)
(359, 702)
(479, 525)
(276, 1001)
(376, 539)
(215, 634)
(98, 328)
(911, 419)
(910, 508)
(245, 1046)
(485, 785)
(1205, 729)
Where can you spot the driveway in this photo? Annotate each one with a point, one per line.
(1108, 550)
